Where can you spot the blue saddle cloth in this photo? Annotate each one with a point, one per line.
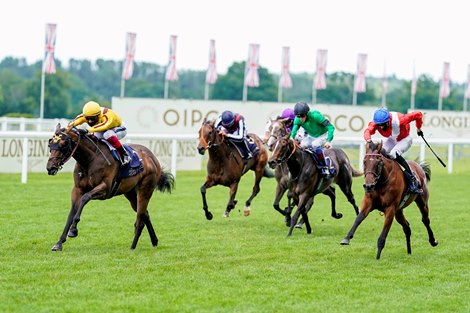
(134, 167)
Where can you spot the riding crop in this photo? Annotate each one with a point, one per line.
(438, 158)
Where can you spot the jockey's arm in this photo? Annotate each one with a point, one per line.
(369, 131)
(79, 120)
(240, 133)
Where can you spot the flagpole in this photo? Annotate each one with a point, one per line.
(123, 82)
(384, 88)
(206, 92)
(439, 104)
(314, 95)
(245, 87)
(43, 83)
(165, 92)
(412, 88)
(279, 92)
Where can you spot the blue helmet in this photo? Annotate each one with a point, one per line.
(381, 116)
(228, 118)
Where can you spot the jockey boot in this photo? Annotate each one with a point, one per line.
(249, 155)
(125, 158)
(414, 185)
(321, 160)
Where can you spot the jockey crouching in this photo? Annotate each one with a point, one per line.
(318, 133)
(232, 126)
(104, 123)
(395, 127)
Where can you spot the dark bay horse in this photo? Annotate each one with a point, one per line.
(225, 166)
(306, 179)
(278, 129)
(96, 178)
(386, 190)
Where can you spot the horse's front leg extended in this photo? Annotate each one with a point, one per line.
(256, 188)
(300, 210)
(231, 201)
(99, 192)
(209, 183)
(68, 223)
(400, 217)
(366, 209)
(280, 191)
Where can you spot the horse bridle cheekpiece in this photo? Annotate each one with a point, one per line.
(378, 168)
(67, 148)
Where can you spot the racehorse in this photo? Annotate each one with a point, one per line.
(96, 177)
(225, 166)
(278, 129)
(306, 179)
(386, 190)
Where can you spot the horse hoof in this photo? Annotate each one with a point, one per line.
(338, 216)
(246, 211)
(73, 234)
(344, 242)
(298, 226)
(226, 214)
(209, 216)
(434, 243)
(57, 247)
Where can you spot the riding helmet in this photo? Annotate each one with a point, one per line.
(301, 108)
(288, 113)
(91, 108)
(381, 116)
(227, 118)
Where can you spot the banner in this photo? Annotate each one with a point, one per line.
(445, 81)
(49, 64)
(211, 75)
(251, 69)
(128, 66)
(320, 76)
(171, 73)
(467, 91)
(360, 84)
(285, 81)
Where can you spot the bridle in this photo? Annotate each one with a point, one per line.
(378, 169)
(285, 156)
(67, 150)
(207, 144)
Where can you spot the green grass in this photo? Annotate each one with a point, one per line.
(240, 264)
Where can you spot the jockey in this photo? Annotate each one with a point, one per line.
(288, 114)
(232, 125)
(318, 132)
(104, 123)
(395, 127)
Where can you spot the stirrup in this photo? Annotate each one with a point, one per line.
(126, 160)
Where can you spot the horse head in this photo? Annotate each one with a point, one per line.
(277, 129)
(373, 165)
(284, 148)
(208, 136)
(62, 145)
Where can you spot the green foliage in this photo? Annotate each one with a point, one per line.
(239, 264)
(83, 80)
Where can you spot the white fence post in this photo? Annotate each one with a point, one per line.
(24, 163)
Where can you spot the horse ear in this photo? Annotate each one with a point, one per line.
(204, 121)
(57, 128)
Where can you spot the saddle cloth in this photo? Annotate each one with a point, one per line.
(134, 167)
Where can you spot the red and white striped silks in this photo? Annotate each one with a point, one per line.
(445, 81)
(251, 69)
(360, 83)
(211, 74)
(285, 81)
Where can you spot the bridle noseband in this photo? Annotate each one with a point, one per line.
(67, 150)
(377, 174)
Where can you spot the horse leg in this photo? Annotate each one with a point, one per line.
(300, 210)
(231, 201)
(280, 190)
(331, 193)
(132, 197)
(258, 175)
(424, 209)
(209, 183)
(389, 214)
(289, 209)
(347, 191)
(366, 209)
(68, 223)
(400, 217)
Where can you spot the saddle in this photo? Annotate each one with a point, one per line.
(328, 163)
(134, 167)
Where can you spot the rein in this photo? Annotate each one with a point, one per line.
(377, 175)
(207, 145)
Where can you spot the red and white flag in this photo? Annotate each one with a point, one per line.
(360, 84)
(48, 66)
(285, 81)
(251, 69)
(211, 75)
(467, 91)
(445, 81)
(171, 73)
(128, 66)
(320, 76)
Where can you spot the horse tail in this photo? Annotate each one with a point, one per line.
(268, 172)
(427, 170)
(356, 173)
(166, 182)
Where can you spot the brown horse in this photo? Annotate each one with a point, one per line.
(386, 190)
(226, 167)
(96, 178)
(307, 181)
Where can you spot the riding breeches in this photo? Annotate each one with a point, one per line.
(313, 142)
(120, 132)
(394, 148)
